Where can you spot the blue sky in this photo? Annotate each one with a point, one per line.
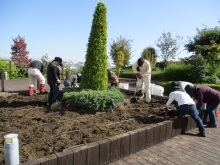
(62, 27)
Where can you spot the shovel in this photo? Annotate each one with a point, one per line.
(135, 98)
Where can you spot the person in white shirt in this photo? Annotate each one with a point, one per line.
(185, 105)
(142, 70)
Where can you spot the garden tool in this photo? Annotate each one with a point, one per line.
(135, 98)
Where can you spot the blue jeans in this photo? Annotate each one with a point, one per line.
(54, 91)
(211, 111)
(194, 113)
(66, 85)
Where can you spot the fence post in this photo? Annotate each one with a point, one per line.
(2, 81)
(10, 69)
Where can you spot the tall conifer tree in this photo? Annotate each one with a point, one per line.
(94, 75)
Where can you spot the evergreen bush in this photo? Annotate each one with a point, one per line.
(95, 68)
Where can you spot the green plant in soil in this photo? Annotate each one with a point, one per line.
(93, 100)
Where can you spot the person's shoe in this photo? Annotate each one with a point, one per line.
(30, 91)
(201, 134)
(206, 122)
(146, 102)
(212, 126)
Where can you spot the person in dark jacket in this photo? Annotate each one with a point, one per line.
(35, 71)
(209, 96)
(53, 79)
(72, 80)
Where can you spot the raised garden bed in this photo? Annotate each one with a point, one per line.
(79, 137)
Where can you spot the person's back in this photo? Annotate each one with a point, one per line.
(207, 95)
(52, 74)
(70, 81)
(211, 97)
(38, 65)
(181, 98)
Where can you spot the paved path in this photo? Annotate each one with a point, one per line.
(182, 150)
(18, 86)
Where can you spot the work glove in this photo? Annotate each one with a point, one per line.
(138, 75)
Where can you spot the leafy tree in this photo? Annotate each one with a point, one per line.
(123, 45)
(213, 54)
(168, 46)
(149, 53)
(120, 61)
(95, 68)
(206, 43)
(19, 52)
(198, 71)
(45, 58)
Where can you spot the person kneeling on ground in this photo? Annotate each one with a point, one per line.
(185, 105)
(71, 81)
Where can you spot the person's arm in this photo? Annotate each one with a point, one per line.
(170, 100)
(56, 75)
(199, 98)
(134, 67)
(42, 68)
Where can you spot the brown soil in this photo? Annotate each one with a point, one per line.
(42, 132)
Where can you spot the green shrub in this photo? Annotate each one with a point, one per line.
(93, 99)
(126, 73)
(177, 72)
(15, 71)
